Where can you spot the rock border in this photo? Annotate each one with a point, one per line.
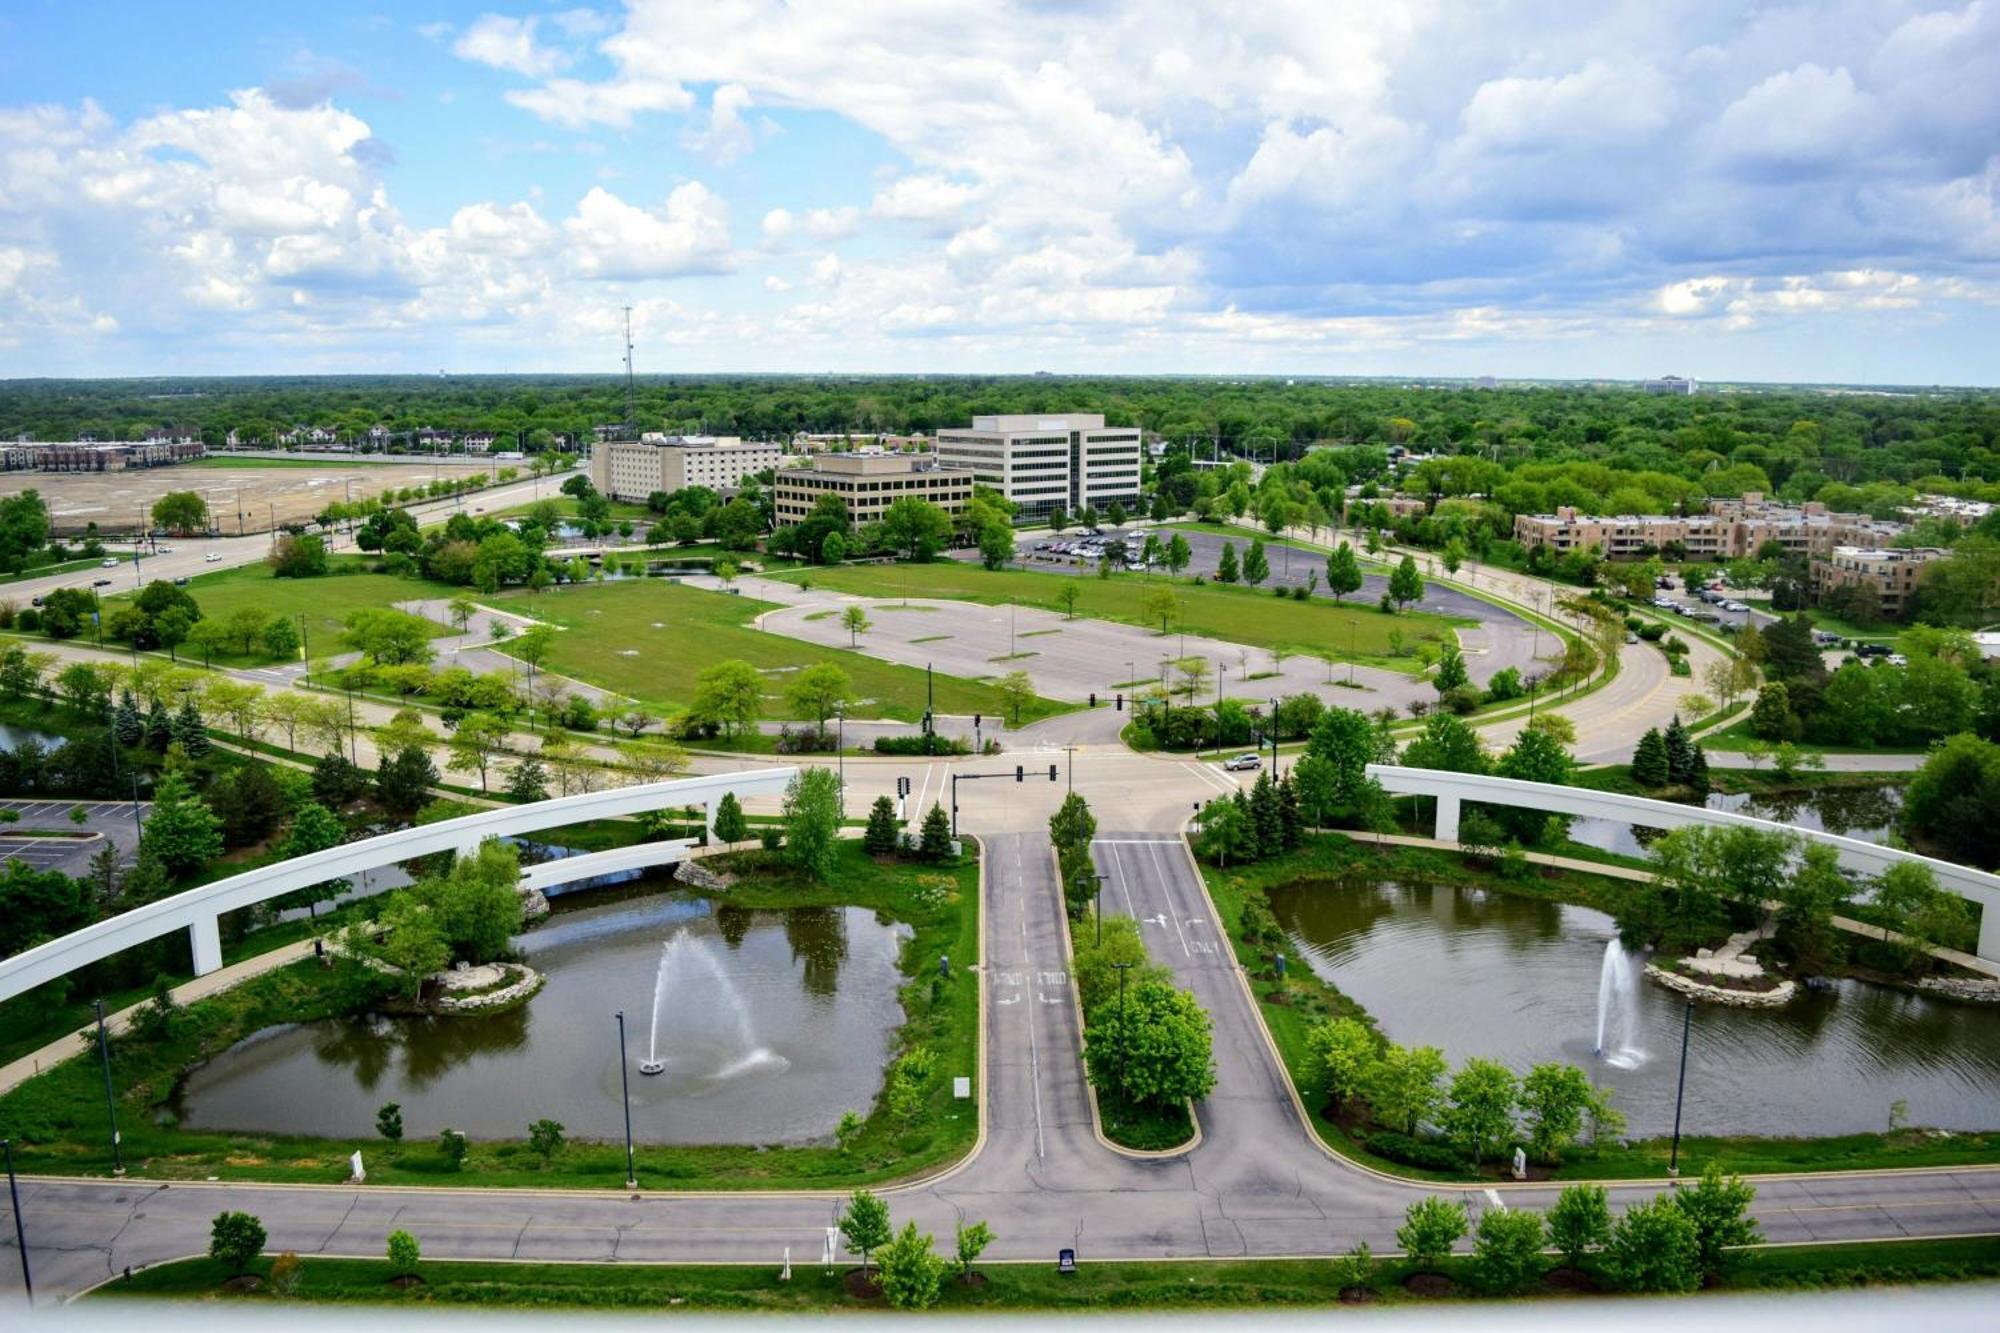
(1781, 994)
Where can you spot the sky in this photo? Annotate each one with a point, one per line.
(1525, 188)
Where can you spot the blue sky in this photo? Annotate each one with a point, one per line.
(1517, 187)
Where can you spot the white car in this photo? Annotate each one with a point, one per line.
(213, 557)
(107, 563)
(1244, 762)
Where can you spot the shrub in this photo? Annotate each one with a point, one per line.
(1461, 700)
(920, 745)
(404, 1252)
(235, 1239)
(1652, 632)
(1425, 1154)
(452, 1144)
(287, 1272)
(1507, 1255)
(1431, 1226)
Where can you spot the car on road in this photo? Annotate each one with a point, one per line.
(1872, 650)
(181, 582)
(1243, 762)
(107, 563)
(213, 557)
(100, 583)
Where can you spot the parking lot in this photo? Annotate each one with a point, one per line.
(68, 845)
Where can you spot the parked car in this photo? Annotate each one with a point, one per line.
(1873, 650)
(1243, 763)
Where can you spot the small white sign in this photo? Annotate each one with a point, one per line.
(961, 1088)
(360, 1172)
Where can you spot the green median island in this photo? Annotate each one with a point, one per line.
(1252, 616)
(649, 640)
(799, 1024)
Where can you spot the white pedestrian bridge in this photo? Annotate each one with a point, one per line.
(1452, 790)
(197, 910)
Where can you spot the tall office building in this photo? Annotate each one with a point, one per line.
(1044, 462)
(634, 469)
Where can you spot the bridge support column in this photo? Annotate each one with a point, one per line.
(465, 851)
(708, 818)
(205, 941)
(1989, 930)
(1447, 819)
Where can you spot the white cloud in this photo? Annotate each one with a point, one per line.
(509, 44)
(727, 136)
(609, 238)
(1602, 103)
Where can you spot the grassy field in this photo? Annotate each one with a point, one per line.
(1238, 615)
(1738, 737)
(67, 566)
(56, 1119)
(1292, 1007)
(615, 645)
(1018, 1287)
(324, 602)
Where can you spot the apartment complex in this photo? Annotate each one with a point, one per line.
(869, 483)
(90, 456)
(1730, 530)
(1041, 463)
(634, 469)
(1889, 574)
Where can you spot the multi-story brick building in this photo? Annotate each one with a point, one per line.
(1889, 574)
(869, 483)
(1730, 530)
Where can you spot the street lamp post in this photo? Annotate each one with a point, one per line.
(625, 1085)
(20, 1233)
(840, 746)
(1680, 1092)
(110, 1106)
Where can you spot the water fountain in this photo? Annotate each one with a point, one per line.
(684, 960)
(1618, 1009)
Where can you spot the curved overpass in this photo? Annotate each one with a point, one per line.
(1451, 790)
(197, 910)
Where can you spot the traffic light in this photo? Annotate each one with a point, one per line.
(902, 787)
(976, 720)
(1052, 772)
(1093, 698)
(1121, 704)
(1020, 773)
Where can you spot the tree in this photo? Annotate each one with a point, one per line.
(181, 513)
(819, 691)
(1153, 1048)
(912, 1272)
(934, 841)
(389, 1121)
(452, 1144)
(813, 810)
(1072, 827)
(546, 1138)
(1447, 744)
(864, 1225)
(996, 545)
(1405, 584)
(314, 829)
(729, 695)
(1226, 570)
(1016, 691)
(181, 833)
(1158, 605)
(1772, 718)
(731, 825)
(528, 781)
(476, 906)
(235, 1239)
(1730, 679)
(1068, 596)
(1451, 672)
(298, 557)
(1431, 1226)
(392, 637)
(1343, 572)
(1926, 915)
(1479, 1106)
(1654, 1248)
(1719, 1207)
(1554, 1098)
(404, 1253)
(1256, 566)
(1226, 833)
(855, 621)
(1507, 1253)
(1649, 760)
(1579, 1222)
(915, 527)
(478, 741)
(879, 838)
(972, 1241)
(405, 780)
(1177, 554)
(461, 609)
(1954, 800)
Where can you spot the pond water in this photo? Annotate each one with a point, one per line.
(1516, 979)
(1867, 813)
(11, 737)
(770, 1025)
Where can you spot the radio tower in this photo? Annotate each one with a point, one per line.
(631, 416)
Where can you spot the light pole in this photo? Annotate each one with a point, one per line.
(1069, 767)
(1680, 1092)
(20, 1234)
(840, 744)
(110, 1106)
(625, 1085)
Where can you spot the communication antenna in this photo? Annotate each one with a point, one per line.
(631, 417)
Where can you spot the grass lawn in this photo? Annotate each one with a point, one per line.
(1318, 627)
(615, 645)
(1230, 1284)
(67, 566)
(56, 1118)
(1737, 736)
(566, 505)
(1292, 1007)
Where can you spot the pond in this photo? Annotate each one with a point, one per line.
(1867, 813)
(1516, 978)
(769, 1024)
(11, 737)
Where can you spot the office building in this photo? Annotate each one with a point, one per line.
(869, 483)
(1041, 463)
(634, 469)
(1672, 384)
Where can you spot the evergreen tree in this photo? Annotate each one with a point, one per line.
(1256, 566)
(190, 730)
(131, 723)
(1225, 568)
(1343, 572)
(1771, 717)
(935, 843)
(1680, 753)
(405, 780)
(731, 826)
(1291, 827)
(1649, 760)
(879, 839)
(1697, 770)
(529, 781)
(159, 728)
(182, 834)
(1265, 822)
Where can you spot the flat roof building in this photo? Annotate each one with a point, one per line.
(1888, 574)
(633, 469)
(1675, 384)
(1730, 530)
(868, 483)
(1045, 462)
